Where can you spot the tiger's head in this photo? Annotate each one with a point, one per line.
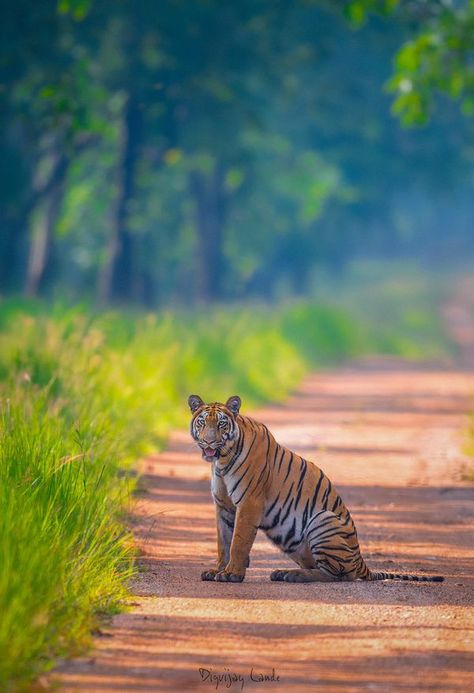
(214, 426)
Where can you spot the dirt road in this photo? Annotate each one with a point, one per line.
(390, 436)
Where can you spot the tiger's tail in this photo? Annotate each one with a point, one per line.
(382, 575)
(371, 575)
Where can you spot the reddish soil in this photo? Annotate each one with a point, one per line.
(390, 436)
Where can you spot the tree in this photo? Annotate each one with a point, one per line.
(437, 59)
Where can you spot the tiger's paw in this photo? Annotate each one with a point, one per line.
(208, 575)
(224, 576)
(278, 575)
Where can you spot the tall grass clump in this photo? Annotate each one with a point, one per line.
(65, 554)
(82, 397)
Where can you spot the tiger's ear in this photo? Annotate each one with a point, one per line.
(233, 403)
(194, 402)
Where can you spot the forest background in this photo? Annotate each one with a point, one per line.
(190, 151)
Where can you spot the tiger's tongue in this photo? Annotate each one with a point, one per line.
(209, 452)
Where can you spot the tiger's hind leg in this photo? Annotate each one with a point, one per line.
(331, 553)
(334, 546)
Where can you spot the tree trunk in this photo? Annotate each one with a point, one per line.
(42, 245)
(118, 281)
(210, 214)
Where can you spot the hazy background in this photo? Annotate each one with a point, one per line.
(188, 151)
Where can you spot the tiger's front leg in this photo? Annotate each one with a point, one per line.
(247, 521)
(225, 519)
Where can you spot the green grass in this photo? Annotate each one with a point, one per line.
(83, 396)
(397, 303)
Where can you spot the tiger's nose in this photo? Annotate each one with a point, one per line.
(208, 442)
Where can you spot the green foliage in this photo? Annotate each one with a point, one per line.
(324, 333)
(437, 59)
(357, 10)
(397, 304)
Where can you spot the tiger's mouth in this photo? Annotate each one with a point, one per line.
(209, 454)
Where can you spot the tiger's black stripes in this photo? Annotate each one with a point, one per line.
(281, 458)
(285, 516)
(290, 463)
(381, 575)
(246, 470)
(305, 516)
(257, 483)
(316, 492)
(272, 505)
(237, 500)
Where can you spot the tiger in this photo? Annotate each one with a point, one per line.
(257, 483)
